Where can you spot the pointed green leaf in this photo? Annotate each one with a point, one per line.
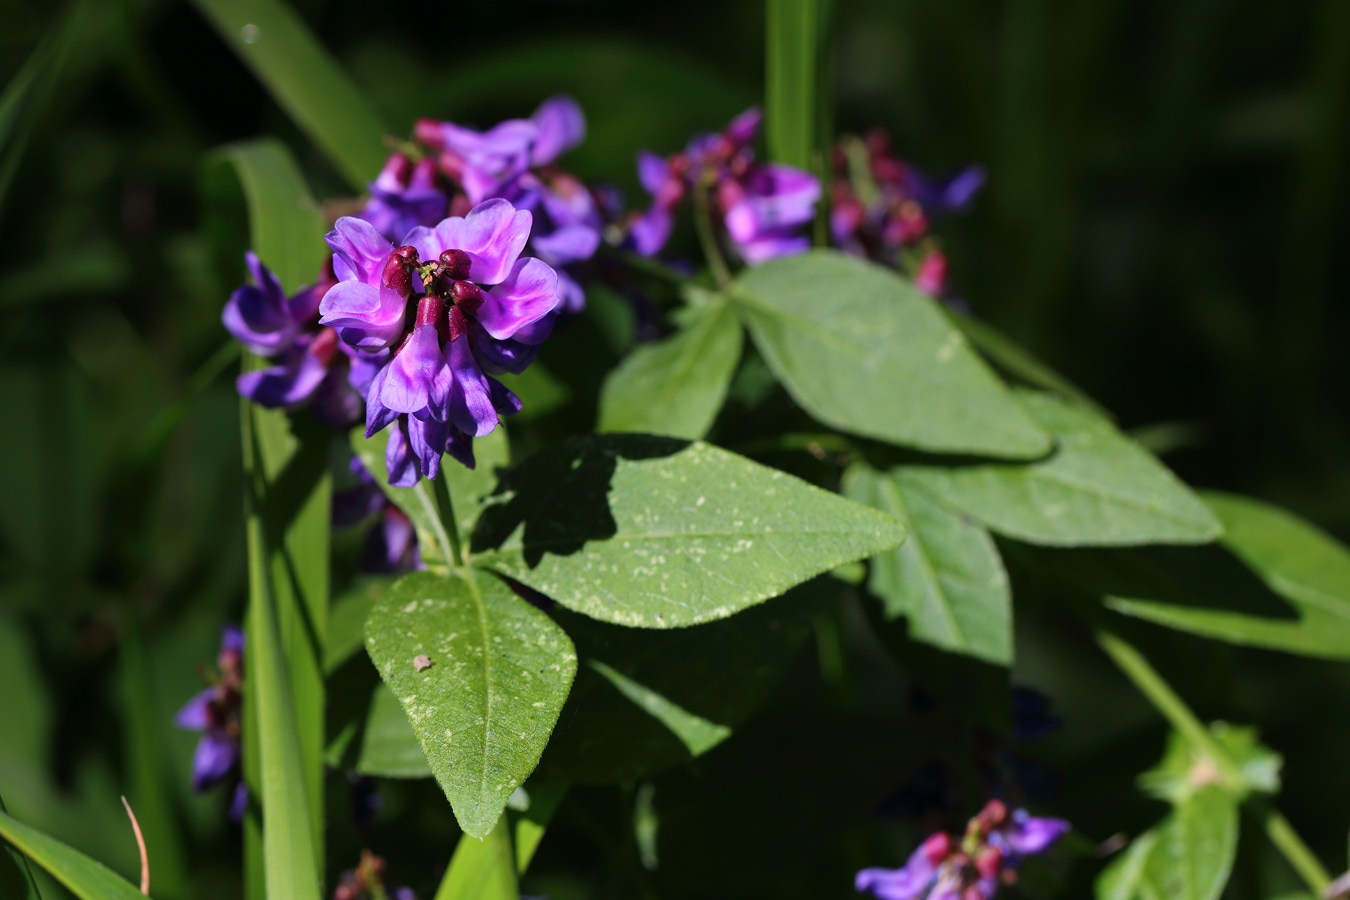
(481, 869)
(305, 81)
(866, 352)
(389, 746)
(1122, 878)
(675, 387)
(499, 671)
(656, 533)
(946, 578)
(1186, 768)
(84, 877)
(1194, 851)
(16, 878)
(1299, 562)
(531, 822)
(1097, 488)
(468, 488)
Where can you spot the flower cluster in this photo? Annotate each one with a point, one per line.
(366, 882)
(441, 314)
(215, 712)
(995, 843)
(391, 546)
(310, 367)
(449, 169)
(881, 207)
(761, 207)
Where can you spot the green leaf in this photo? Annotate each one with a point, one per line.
(1186, 768)
(1193, 854)
(675, 387)
(481, 869)
(285, 226)
(389, 747)
(16, 878)
(657, 533)
(347, 620)
(542, 802)
(84, 877)
(1017, 362)
(648, 699)
(866, 352)
(1297, 561)
(1121, 879)
(1098, 488)
(946, 578)
(305, 82)
(499, 672)
(468, 489)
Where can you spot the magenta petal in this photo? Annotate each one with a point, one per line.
(524, 296)
(411, 374)
(1028, 834)
(471, 407)
(652, 171)
(359, 250)
(561, 126)
(493, 234)
(194, 716)
(366, 316)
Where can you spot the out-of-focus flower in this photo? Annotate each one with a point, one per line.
(453, 304)
(311, 368)
(215, 712)
(403, 196)
(882, 207)
(995, 844)
(366, 882)
(391, 546)
(760, 207)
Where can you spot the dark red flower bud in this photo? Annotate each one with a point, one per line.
(467, 296)
(325, 345)
(937, 847)
(456, 264)
(428, 131)
(429, 310)
(989, 861)
(397, 274)
(398, 167)
(992, 817)
(458, 324)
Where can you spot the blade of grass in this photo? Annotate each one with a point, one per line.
(86, 878)
(798, 90)
(305, 81)
(482, 870)
(16, 878)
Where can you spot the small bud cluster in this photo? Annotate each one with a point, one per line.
(217, 712)
(881, 208)
(995, 842)
(366, 882)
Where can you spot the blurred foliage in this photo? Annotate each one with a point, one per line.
(1167, 203)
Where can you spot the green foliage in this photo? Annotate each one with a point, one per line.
(304, 80)
(481, 869)
(675, 387)
(866, 352)
(484, 700)
(656, 533)
(16, 878)
(1097, 488)
(1193, 853)
(1186, 769)
(1296, 561)
(85, 878)
(947, 578)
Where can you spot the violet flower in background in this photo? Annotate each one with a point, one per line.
(480, 309)
(404, 195)
(882, 208)
(216, 713)
(391, 544)
(996, 842)
(311, 368)
(366, 882)
(760, 207)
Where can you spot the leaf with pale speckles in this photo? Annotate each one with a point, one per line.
(658, 533)
(1097, 488)
(866, 352)
(484, 709)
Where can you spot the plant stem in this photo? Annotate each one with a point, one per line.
(706, 237)
(1175, 710)
(446, 507)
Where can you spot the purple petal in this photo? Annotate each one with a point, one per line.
(503, 399)
(742, 129)
(560, 126)
(238, 803)
(493, 234)
(653, 171)
(426, 439)
(359, 250)
(215, 756)
(945, 196)
(649, 232)
(412, 380)
(496, 357)
(569, 244)
(525, 295)
(771, 246)
(232, 639)
(378, 416)
(256, 323)
(471, 407)
(399, 461)
(194, 715)
(775, 197)
(571, 300)
(460, 446)
(366, 316)
(284, 386)
(1027, 835)
(363, 367)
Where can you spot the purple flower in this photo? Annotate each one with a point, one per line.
(215, 712)
(479, 302)
(1027, 835)
(914, 878)
(403, 196)
(310, 366)
(761, 207)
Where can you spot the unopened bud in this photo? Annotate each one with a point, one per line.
(397, 274)
(428, 131)
(937, 847)
(396, 170)
(456, 264)
(458, 324)
(429, 310)
(993, 816)
(325, 345)
(989, 861)
(467, 295)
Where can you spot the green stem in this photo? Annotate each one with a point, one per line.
(446, 508)
(706, 237)
(1175, 710)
